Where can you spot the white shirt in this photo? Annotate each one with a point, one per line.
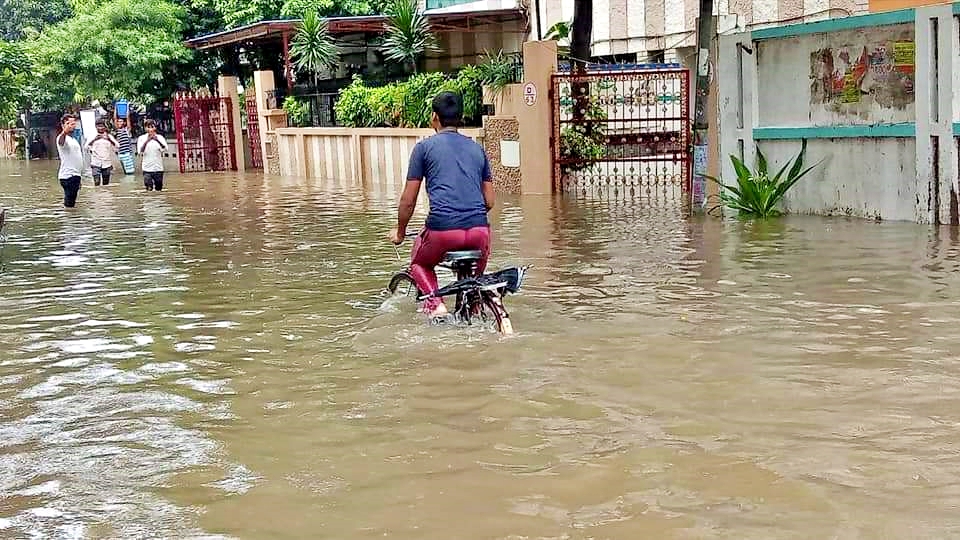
(71, 157)
(102, 150)
(152, 153)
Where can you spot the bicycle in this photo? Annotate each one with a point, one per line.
(476, 296)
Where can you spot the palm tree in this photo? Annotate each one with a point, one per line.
(408, 33)
(312, 48)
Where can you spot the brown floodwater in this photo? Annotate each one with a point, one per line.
(218, 361)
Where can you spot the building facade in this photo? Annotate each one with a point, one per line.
(643, 30)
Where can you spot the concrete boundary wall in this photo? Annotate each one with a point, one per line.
(888, 139)
(375, 157)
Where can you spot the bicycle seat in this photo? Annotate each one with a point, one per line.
(462, 256)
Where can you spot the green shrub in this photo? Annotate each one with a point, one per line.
(406, 104)
(351, 107)
(297, 112)
(469, 84)
(417, 94)
(584, 141)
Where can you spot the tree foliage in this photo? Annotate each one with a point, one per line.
(560, 31)
(114, 49)
(200, 17)
(295, 9)
(19, 18)
(408, 34)
(241, 12)
(77, 50)
(14, 74)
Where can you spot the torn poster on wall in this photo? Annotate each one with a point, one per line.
(883, 73)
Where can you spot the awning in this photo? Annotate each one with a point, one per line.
(465, 21)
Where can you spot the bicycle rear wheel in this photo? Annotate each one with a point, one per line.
(493, 303)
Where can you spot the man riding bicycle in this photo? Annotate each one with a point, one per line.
(460, 193)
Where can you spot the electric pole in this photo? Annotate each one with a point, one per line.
(706, 30)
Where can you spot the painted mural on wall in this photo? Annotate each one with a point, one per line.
(854, 78)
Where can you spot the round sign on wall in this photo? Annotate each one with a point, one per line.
(529, 94)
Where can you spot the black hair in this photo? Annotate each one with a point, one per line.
(149, 123)
(100, 123)
(449, 108)
(68, 116)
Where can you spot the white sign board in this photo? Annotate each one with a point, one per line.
(88, 120)
(510, 153)
(529, 94)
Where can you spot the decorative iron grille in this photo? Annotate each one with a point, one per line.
(622, 131)
(205, 138)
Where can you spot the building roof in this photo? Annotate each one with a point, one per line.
(464, 21)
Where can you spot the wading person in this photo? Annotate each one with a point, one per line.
(124, 144)
(460, 193)
(151, 145)
(71, 160)
(102, 148)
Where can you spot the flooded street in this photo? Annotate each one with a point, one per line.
(216, 361)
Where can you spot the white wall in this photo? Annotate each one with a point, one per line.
(866, 178)
(874, 177)
(785, 69)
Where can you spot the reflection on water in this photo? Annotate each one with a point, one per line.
(215, 362)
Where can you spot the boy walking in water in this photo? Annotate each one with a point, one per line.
(151, 145)
(124, 144)
(71, 160)
(460, 192)
(102, 148)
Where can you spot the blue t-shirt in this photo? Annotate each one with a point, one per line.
(455, 168)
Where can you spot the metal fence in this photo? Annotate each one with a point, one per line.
(317, 107)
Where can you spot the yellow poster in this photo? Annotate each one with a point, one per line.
(851, 92)
(903, 53)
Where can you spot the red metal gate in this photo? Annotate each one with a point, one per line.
(205, 139)
(631, 135)
(253, 129)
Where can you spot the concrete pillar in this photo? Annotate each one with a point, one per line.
(738, 88)
(534, 116)
(227, 87)
(263, 84)
(936, 152)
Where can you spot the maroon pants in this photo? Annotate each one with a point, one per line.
(429, 249)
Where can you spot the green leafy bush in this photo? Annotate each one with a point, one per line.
(406, 104)
(297, 112)
(584, 142)
(351, 106)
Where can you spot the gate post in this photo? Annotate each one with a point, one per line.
(263, 84)
(227, 88)
(534, 118)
